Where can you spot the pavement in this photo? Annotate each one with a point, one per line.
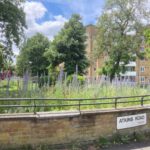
(131, 146)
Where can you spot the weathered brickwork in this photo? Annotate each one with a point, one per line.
(143, 71)
(36, 130)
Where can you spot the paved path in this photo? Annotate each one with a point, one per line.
(132, 146)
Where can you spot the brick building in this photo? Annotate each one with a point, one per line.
(94, 64)
(138, 71)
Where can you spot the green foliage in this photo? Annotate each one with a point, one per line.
(80, 79)
(32, 55)
(47, 80)
(147, 42)
(5, 57)
(103, 142)
(118, 139)
(127, 138)
(68, 47)
(12, 21)
(119, 34)
(122, 139)
(1, 55)
(15, 89)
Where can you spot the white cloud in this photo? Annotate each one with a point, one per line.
(36, 11)
(88, 9)
(48, 28)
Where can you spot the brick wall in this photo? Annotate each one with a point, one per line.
(146, 73)
(18, 130)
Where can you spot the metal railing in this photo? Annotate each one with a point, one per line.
(66, 104)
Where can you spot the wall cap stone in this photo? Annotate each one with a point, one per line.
(66, 114)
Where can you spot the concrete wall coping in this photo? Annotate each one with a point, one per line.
(62, 114)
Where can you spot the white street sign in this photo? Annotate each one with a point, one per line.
(131, 121)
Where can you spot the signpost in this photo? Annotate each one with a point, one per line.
(131, 121)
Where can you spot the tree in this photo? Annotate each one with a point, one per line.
(147, 41)
(1, 55)
(68, 47)
(5, 58)
(119, 34)
(31, 55)
(12, 22)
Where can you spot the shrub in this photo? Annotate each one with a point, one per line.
(103, 142)
(80, 79)
(46, 80)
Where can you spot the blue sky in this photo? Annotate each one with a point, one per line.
(41, 13)
(48, 16)
(88, 9)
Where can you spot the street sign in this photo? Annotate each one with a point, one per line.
(131, 121)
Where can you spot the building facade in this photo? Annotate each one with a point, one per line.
(143, 71)
(137, 71)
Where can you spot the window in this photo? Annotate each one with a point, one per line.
(142, 79)
(142, 69)
(130, 68)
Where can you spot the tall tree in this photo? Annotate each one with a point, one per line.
(4, 57)
(119, 34)
(12, 24)
(31, 55)
(68, 47)
(1, 55)
(12, 21)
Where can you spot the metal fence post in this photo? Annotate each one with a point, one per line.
(142, 99)
(79, 107)
(116, 103)
(34, 107)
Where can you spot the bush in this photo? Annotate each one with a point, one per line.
(46, 80)
(103, 142)
(80, 79)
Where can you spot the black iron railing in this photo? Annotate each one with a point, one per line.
(48, 104)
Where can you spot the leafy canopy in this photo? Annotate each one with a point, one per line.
(12, 24)
(12, 21)
(4, 57)
(119, 34)
(68, 47)
(147, 41)
(32, 55)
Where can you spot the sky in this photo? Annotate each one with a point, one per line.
(49, 16)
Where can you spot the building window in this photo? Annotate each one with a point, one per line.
(130, 68)
(142, 79)
(142, 69)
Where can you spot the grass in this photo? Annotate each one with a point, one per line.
(63, 90)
